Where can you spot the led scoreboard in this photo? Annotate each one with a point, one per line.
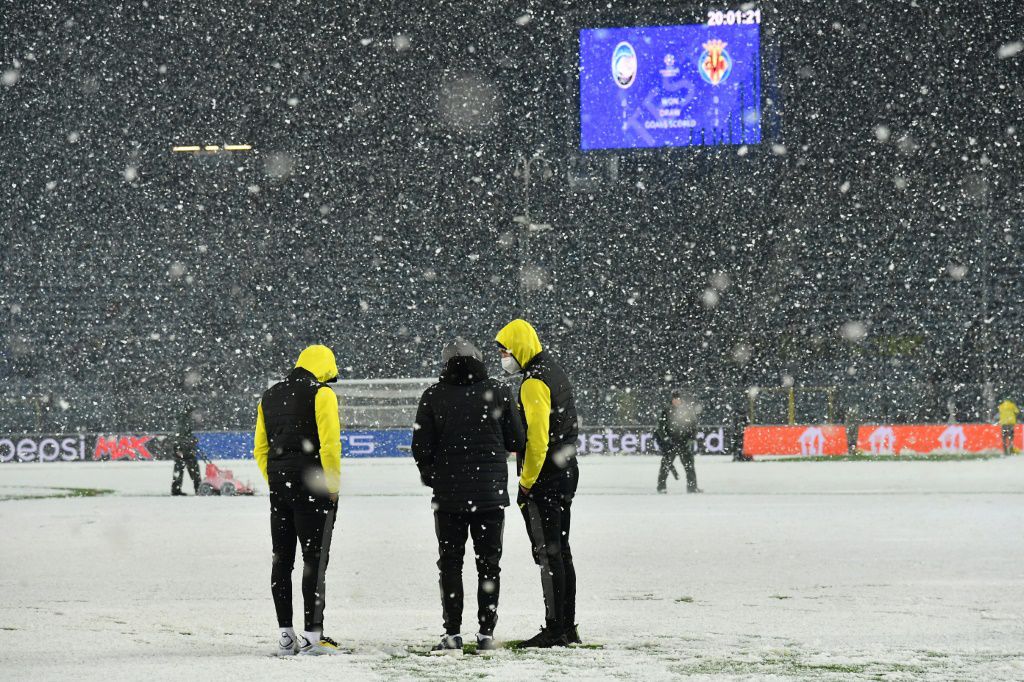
(672, 86)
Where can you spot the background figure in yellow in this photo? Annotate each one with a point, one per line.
(1008, 420)
(298, 450)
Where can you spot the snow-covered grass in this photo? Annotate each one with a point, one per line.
(848, 570)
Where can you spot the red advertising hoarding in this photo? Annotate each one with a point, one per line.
(933, 439)
(794, 441)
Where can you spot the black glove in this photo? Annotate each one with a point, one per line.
(427, 477)
(522, 497)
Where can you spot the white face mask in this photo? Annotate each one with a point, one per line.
(510, 364)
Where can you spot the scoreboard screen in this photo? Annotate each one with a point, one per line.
(671, 86)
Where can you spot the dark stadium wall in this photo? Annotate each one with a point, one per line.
(377, 214)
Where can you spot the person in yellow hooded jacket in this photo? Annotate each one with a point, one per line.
(548, 475)
(1008, 414)
(298, 451)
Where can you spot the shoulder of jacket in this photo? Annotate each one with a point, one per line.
(535, 371)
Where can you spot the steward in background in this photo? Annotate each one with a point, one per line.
(677, 429)
(298, 450)
(1008, 414)
(548, 475)
(184, 449)
(466, 425)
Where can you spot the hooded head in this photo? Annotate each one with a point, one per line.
(463, 363)
(460, 347)
(319, 361)
(521, 340)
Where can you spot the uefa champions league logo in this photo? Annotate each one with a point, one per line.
(624, 65)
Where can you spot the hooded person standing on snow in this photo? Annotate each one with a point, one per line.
(548, 475)
(676, 432)
(298, 450)
(466, 425)
(1008, 414)
(184, 448)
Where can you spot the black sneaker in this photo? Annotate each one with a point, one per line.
(485, 643)
(449, 645)
(545, 639)
(572, 635)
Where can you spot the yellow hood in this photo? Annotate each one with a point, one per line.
(319, 360)
(520, 339)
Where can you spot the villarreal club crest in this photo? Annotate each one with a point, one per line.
(714, 64)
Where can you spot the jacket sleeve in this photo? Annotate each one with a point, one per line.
(424, 437)
(512, 426)
(328, 428)
(536, 398)
(661, 434)
(261, 447)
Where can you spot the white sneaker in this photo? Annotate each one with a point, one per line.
(287, 645)
(317, 644)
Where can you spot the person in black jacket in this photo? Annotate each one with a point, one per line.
(548, 475)
(675, 434)
(298, 450)
(466, 425)
(185, 447)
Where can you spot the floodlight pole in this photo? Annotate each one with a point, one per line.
(524, 169)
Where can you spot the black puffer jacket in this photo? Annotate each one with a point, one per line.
(465, 427)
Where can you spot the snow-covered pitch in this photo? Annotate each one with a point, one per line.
(807, 570)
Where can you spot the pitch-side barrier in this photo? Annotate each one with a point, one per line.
(830, 440)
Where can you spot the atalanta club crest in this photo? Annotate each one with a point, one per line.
(715, 64)
(624, 65)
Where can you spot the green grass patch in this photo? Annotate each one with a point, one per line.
(684, 600)
(788, 664)
(57, 493)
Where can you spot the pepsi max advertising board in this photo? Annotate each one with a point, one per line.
(671, 86)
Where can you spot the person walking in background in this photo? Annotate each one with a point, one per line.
(675, 434)
(1008, 414)
(466, 425)
(548, 475)
(184, 449)
(298, 451)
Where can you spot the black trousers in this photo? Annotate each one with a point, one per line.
(1007, 434)
(487, 529)
(548, 515)
(180, 464)
(299, 515)
(686, 457)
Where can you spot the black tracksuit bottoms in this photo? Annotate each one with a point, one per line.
(180, 465)
(487, 529)
(299, 515)
(685, 455)
(548, 513)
